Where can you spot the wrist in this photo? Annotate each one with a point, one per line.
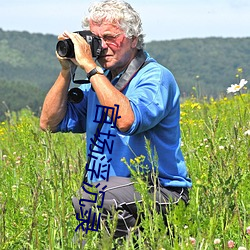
(94, 71)
(65, 73)
(89, 67)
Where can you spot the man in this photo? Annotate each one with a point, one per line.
(146, 98)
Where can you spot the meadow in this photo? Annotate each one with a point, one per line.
(40, 172)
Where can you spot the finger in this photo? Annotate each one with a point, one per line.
(69, 60)
(70, 34)
(75, 37)
(62, 36)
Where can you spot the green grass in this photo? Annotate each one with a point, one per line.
(40, 172)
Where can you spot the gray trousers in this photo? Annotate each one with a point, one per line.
(120, 195)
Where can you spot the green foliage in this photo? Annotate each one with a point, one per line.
(28, 58)
(28, 68)
(208, 62)
(40, 172)
(14, 95)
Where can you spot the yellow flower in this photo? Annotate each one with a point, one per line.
(132, 162)
(240, 70)
(195, 105)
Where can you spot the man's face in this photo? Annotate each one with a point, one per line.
(118, 50)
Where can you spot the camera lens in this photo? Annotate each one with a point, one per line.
(65, 48)
(75, 95)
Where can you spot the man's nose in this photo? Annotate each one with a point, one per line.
(104, 44)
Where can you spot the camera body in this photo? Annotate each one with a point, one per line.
(65, 48)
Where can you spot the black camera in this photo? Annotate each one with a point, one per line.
(65, 48)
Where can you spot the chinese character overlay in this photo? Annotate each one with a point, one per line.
(104, 115)
(90, 220)
(100, 168)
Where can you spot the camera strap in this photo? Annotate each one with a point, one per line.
(136, 64)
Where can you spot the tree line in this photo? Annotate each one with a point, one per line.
(202, 67)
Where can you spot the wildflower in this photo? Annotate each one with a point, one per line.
(240, 70)
(247, 133)
(230, 244)
(192, 240)
(45, 216)
(195, 106)
(242, 248)
(248, 230)
(137, 159)
(237, 87)
(132, 162)
(221, 147)
(14, 188)
(198, 182)
(216, 241)
(22, 210)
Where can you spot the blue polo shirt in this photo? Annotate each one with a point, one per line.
(154, 97)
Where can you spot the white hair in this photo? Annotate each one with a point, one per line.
(120, 13)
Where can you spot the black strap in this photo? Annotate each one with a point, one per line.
(136, 64)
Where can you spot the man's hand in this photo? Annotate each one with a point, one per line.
(83, 54)
(66, 63)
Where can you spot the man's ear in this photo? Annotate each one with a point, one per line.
(134, 42)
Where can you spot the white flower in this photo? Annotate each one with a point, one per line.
(22, 210)
(242, 248)
(217, 241)
(237, 87)
(246, 133)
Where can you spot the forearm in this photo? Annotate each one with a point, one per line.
(55, 103)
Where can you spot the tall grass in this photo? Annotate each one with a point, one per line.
(40, 172)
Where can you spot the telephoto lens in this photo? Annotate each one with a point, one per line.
(65, 48)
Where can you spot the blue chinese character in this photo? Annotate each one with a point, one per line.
(87, 221)
(98, 171)
(104, 115)
(86, 217)
(98, 133)
(101, 147)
